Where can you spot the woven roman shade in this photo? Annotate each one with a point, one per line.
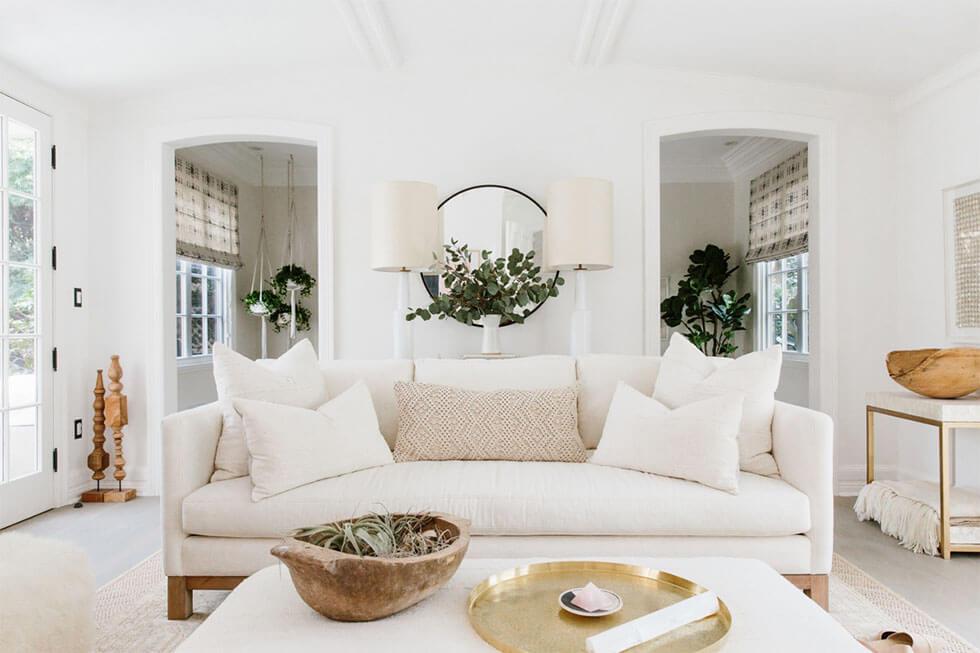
(207, 216)
(779, 210)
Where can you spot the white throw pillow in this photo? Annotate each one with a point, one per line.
(697, 442)
(293, 379)
(687, 375)
(291, 446)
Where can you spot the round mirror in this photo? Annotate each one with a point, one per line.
(492, 217)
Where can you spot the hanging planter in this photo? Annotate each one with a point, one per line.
(282, 318)
(293, 278)
(262, 302)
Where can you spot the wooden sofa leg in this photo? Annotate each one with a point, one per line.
(820, 590)
(816, 586)
(180, 599)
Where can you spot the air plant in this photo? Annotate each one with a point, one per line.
(380, 535)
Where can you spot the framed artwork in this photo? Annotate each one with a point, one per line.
(961, 221)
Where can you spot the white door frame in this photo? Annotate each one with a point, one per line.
(41, 491)
(821, 138)
(161, 373)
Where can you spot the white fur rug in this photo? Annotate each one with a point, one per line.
(46, 592)
(131, 610)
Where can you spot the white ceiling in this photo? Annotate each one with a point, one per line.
(720, 158)
(111, 48)
(239, 162)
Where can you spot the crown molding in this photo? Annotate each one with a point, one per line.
(370, 30)
(942, 80)
(599, 32)
(756, 154)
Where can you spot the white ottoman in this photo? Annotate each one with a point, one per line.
(47, 592)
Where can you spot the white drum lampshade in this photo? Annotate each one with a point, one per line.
(404, 226)
(578, 230)
(405, 234)
(578, 236)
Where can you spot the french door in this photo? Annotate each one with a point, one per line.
(26, 439)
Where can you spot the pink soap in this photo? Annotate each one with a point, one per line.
(592, 598)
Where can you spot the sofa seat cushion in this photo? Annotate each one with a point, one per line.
(510, 498)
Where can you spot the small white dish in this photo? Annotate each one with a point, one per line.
(565, 601)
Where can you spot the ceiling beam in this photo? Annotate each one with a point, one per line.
(370, 30)
(614, 28)
(601, 27)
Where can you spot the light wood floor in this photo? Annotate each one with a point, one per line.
(118, 536)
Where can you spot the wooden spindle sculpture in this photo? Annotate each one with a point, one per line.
(98, 460)
(117, 416)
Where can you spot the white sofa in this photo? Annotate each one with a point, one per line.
(215, 535)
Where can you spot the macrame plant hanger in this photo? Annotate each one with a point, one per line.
(290, 254)
(260, 308)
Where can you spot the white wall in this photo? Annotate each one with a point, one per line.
(409, 124)
(937, 146)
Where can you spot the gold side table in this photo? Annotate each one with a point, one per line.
(945, 415)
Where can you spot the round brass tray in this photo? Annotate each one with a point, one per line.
(517, 610)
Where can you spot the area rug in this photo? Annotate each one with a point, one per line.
(131, 611)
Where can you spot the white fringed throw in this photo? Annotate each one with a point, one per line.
(909, 511)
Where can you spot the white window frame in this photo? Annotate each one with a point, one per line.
(221, 312)
(764, 277)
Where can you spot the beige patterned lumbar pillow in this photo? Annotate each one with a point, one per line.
(438, 422)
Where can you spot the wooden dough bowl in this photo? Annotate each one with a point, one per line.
(936, 373)
(347, 587)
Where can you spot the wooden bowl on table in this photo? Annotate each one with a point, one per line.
(347, 587)
(936, 373)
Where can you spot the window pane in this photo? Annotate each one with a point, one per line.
(20, 291)
(791, 290)
(793, 332)
(21, 148)
(791, 263)
(197, 268)
(214, 331)
(776, 329)
(23, 442)
(180, 339)
(197, 336)
(776, 292)
(776, 266)
(21, 231)
(179, 307)
(196, 293)
(214, 297)
(22, 382)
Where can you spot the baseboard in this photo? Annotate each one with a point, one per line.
(851, 478)
(81, 481)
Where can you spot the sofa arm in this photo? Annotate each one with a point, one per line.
(803, 446)
(190, 439)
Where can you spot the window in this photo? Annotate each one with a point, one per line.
(203, 293)
(784, 318)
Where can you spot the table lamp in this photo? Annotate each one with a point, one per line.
(404, 236)
(578, 236)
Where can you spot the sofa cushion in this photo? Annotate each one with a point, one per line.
(510, 498)
(598, 375)
(380, 377)
(441, 422)
(530, 373)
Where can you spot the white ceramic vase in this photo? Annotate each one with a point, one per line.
(491, 334)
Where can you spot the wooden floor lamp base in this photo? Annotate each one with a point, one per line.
(105, 495)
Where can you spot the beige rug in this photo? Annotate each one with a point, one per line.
(131, 611)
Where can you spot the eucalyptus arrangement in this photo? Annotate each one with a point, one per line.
(711, 315)
(380, 535)
(501, 286)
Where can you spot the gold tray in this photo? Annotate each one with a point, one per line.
(517, 610)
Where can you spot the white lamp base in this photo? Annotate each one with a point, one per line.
(402, 328)
(580, 341)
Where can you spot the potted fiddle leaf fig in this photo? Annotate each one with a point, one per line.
(491, 290)
(710, 315)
